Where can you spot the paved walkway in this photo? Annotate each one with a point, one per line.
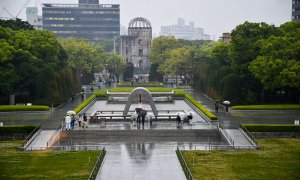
(141, 161)
(238, 137)
(41, 140)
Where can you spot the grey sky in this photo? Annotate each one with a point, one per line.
(214, 16)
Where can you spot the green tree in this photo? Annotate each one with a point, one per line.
(116, 65)
(17, 24)
(128, 72)
(84, 56)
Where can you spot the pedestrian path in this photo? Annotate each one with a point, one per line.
(41, 140)
(238, 138)
(141, 161)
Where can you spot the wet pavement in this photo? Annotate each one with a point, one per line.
(141, 161)
(234, 118)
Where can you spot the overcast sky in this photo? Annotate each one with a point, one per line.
(214, 16)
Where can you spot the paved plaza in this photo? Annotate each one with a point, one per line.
(144, 152)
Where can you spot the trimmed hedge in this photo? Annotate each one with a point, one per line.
(268, 107)
(272, 127)
(17, 128)
(178, 93)
(150, 89)
(100, 93)
(137, 84)
(8, 108)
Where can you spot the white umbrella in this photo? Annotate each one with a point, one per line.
(226, 102)
(192, 113)
(150, 116)
(134, 116)
(71, 112)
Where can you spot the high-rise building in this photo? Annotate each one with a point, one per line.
(296, 10)
(86, 20)
(183, 31)
(135, 47)
(33, 18)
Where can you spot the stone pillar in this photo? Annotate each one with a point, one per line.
(12, 99)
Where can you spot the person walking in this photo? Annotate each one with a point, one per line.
(92, 89)
(79, 120)
(217, 106)
(84, 121)
(81, 95)
(72, 121)
(68, 122)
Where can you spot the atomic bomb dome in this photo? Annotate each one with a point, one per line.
(135, 47)
(139, 22)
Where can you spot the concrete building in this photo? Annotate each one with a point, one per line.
(86, 20)
(135, 47)
(33, 18)
(296, 10)
(226, 38)
(183, 31)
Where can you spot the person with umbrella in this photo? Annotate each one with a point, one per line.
(226, 103)
(68, 122)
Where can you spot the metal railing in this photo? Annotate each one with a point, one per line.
(215, 147)
(30, 137)
(185, 166)
(68, 148)
(249, 136)
(54, 135)
(97, 165)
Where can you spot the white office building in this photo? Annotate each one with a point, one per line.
(183, 31)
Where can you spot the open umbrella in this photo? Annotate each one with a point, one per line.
(226, 102)
(71, 112)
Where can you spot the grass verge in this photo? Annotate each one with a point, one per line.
(272, 127)
(278, 159)
(16, 164)
(7, 108)
(268, 107)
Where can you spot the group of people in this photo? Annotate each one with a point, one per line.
(181, 116)
(70, 120)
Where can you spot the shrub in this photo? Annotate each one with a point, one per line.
(84, 103)
(101, 93)
(210, 115)
(6, 108)
(17, 128)
(272, 127)
(268, 107)
(138, 84)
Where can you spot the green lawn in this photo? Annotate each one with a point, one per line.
(279, 159)
(16, 164)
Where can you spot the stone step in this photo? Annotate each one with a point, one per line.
(111, 134)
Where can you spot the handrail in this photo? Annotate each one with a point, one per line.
(186, 168)
(97, 165)
(216, 147)
(54, 135)
(68, 147)
(29, 138)
(249, 135)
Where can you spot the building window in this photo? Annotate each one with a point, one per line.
(140, 41)
(126, 50)
(140, 52)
